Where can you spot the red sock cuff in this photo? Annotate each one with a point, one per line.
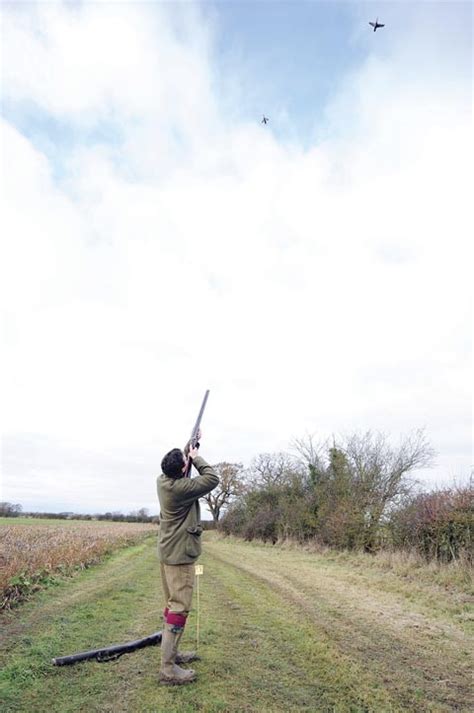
(165, 612)
(175, 619)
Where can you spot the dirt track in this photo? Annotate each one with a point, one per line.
(412, 647)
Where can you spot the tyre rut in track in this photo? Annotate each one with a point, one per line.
(404, 663)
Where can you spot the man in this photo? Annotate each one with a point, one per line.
(179, 546)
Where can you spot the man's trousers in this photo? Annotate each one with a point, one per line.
(178, 583)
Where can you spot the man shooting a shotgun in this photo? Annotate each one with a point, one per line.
(179, 546)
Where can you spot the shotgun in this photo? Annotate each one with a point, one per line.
(194, 434)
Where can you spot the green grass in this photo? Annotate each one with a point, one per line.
(272, 638)
(59, 522)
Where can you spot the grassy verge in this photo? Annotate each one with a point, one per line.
(444, 590)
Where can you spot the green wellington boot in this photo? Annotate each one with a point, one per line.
(170, 673)
(184, 656)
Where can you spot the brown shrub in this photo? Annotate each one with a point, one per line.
(439, 525)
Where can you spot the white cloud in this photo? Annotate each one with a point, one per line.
(71, 60)
(323, 289)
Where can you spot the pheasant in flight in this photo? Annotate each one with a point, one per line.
(376, 24)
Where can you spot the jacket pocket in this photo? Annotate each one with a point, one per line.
(193, 541)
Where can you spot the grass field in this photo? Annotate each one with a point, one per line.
(48, 522)
(281, 630)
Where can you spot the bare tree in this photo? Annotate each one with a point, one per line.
(383, 473)
(10, 509)
(231, 484)
(309, 451)
(268, 469)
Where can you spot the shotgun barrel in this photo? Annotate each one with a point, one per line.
(195, 431)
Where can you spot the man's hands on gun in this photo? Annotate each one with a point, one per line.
(191, 451)
(194, 445)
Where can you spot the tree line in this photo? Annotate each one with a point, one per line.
(16, 510)
(353, 492)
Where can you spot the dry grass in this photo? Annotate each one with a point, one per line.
(408, 564)
(32, 555)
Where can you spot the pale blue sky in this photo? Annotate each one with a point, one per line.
(285, 59)
(288, 56)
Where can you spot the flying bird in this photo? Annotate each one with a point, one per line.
(376, 24)
(264, 120)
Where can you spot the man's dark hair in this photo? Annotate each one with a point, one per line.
(173, 463)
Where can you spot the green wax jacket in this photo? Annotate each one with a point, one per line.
(179, 541)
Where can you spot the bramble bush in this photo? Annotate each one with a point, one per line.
(439, 525)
